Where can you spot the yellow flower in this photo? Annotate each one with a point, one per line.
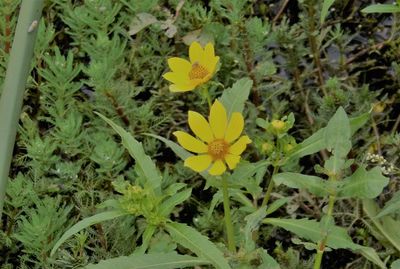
(215, 144)
(186, 75)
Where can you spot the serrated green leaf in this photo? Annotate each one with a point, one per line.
(234, 98)
(135, 149)
(198, 243)
(363, 184)
(149, 261)
(313, 184)
(168, 205)
(391, 206)
(395, 264)
(381, 8)
(86, 223)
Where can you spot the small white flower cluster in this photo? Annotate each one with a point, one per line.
(387, 168)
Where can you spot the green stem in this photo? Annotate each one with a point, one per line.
(227, 215)
(206, 94)
(322, 243)
(270, 187)
(18, 69)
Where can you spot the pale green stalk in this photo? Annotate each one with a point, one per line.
(19, 64)
(227, 216)
(270, 187)
(322, 243)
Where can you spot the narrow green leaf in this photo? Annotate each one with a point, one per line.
(386, 225)
(316, 142)
(337, 236)
(359, 121)
(275, 205)
(326, 5)
(311, 230)
(168, 205)
(146, 238)
(381, 8)
(391, 206)
(136, 150)
(149, 261)
(313, 184)
(181, 152)
(86, 223)
(311, 145)
(234, 98)
(371, 255)
(363, 184)
(198, 243)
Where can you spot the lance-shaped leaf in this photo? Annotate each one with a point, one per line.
(313, 184)
(363, 184)
(198, 243)
(135, 149)
(391, 206)
(149, 261)
(86, 223)
(337, 236)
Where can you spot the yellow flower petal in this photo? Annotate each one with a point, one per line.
(218, 120)
(211, 65)
(200, 126)
(181, 88)
(176, 78)
(209, 51)
(217, 168)
(235, 127)
(179, 65)
(196, 52)
(232, 160)
(240, 145)
(198, 163)
(190, 143)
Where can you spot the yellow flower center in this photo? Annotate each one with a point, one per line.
(198, 72)
(218, 149)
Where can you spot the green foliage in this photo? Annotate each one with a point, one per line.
(149, 261)
(109, 56)
(41, 226)
(196, 242)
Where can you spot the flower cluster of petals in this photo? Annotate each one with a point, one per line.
(218, 143)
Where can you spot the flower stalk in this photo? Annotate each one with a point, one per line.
(227, 216)
(18, 68)
(322, 243)
(270, 187)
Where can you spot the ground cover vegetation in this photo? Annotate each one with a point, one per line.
(206, 134)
